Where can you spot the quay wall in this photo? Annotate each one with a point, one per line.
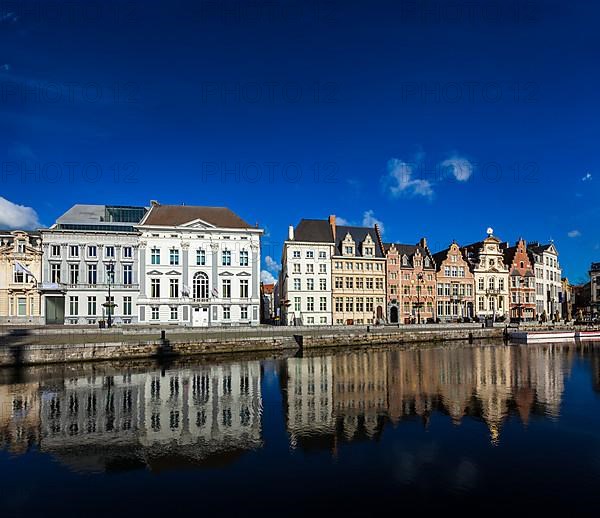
(50, 349)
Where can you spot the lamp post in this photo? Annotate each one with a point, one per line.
(418, 287)
(110, 271)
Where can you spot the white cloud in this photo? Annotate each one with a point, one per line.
(272, 265)
(267, 277)
(400, 180)
(370, 220)
(574, 233)
(587, 178)
(341, 221)
(17, 216)
(460, 167)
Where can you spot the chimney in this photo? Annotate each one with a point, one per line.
(423, 242)
(154, 203)
(331, 220)
(290, 233)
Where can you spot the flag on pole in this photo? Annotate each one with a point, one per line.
(20, 268)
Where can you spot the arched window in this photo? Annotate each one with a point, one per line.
(200, 286)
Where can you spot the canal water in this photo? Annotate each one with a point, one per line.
(490, 429)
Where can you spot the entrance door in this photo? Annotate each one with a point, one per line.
(394, 315)
(200, 317)
(55, 310)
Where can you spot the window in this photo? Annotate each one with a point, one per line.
(154, 313)
(359, 304)
(369, 305)
(296, 254)
(174, 313)
(322, 255)
(73, 251)
(91, 306)
(174, 288)
(296, 268)
(200, 286)
(481, 307)
(73, 306)
(110, 251)
(310, 268)
(310, 284)
(323, 304)
(369, 284)
(310, 304)
(73, 274)
(92, 274)
(226, 313)
(127, 274)
(155, 288)
(55, 273)
(19, 276)
(127, 252)
(174, 257)
(322, 268)
(55, 250)
(501, 284)
(21, 306)
(323, 284)
(244, 258)
(92, 251)
(226, 258)
(339, 282)
(349, 304)
(127, 306)
(349, 282)
(359, 283)
(244, 312)
(226, 288)
(244, 285)
(379, 283)
(339, 304)
(155, 256)
(480, 284)
(310, 254)
(297, 304)
(110, 273)
(200, 257)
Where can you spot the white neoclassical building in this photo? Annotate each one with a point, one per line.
(199, 266)
(305, 278)
(491, 276)
(89, 251)
(548, 286)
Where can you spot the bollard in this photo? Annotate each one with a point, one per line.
(368, 329)
(162, 334)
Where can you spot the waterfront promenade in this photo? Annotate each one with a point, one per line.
(64, 344)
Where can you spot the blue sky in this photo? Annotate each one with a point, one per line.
(436, 119)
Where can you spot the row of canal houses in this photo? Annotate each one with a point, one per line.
(200, 266)
(338, 274)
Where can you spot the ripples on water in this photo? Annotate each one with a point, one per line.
(428, 420)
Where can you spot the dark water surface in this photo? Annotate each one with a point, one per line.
(491, 429)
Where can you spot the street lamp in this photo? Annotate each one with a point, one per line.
(421, 281)
(109, 305)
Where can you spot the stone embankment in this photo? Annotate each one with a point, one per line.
(29, 346)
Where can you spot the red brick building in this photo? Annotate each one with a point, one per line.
(521, 286)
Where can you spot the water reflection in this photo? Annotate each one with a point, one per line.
(353, 395)
(102, 417)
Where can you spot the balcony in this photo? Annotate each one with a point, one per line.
(493, 291)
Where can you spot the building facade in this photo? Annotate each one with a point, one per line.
(486, 260)
(522, 282)
(359, 287)
(455, 288)
(20, 273)
(412, 277)
(548, 287)
(199, 266)
(595, 289)
(305, 277)
(89, 251)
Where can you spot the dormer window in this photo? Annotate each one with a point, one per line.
(404, 260)
(348, 245)
(20, 247)
(427, 262)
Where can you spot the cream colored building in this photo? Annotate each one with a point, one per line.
(359, 265)
(486, 260)
(20, 251)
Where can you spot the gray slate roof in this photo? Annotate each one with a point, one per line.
(313, 231)
(359, 234)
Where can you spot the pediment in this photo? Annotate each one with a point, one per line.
(244, 274)
(226, 274)
(154, 272)
(173, 272)
(196, 224)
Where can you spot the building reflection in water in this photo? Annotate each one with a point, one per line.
(207, 414)
(352, 395)
(100, 417)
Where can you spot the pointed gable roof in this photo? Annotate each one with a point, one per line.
(358, 234)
